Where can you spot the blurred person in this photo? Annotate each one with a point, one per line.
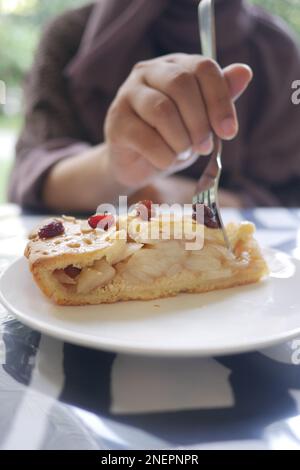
(118, 89)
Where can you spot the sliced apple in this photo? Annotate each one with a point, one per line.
(63, 278)
(90, 278)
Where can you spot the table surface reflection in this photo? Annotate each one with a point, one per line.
(55, 395)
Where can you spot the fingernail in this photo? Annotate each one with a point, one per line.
(229, 128)
(250, 71)
(205, 147)
(183, 156)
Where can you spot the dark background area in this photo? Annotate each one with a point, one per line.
(21, 22)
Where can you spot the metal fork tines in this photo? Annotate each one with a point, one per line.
(208, 184)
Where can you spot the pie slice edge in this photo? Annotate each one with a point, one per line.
(82, 265)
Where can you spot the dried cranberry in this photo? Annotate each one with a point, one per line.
(195, 217)
(145, 209)
(103, 221)
(211, 223)
(216, 215)
(107, 222)
(53, 229)
(211, 219)
(72, 271)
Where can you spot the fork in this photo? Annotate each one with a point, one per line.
(208, 184)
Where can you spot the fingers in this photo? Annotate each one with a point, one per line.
(161, 113)
(181, 88)
(173, 104)
(126, 129)
(238, 77)
(202, 92)
(219, 106)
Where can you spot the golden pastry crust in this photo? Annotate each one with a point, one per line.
(116, 265)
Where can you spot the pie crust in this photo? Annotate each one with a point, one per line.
(91, 266)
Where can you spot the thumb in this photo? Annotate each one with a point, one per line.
(238, 78)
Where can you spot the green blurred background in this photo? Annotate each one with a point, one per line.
(20, 26)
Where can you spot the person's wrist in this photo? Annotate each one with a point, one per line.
(106, 161)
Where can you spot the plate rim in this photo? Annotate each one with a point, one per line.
(86, 341)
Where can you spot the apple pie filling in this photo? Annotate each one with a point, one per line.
(144, 263)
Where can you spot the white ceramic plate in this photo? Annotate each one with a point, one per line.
(221, 322)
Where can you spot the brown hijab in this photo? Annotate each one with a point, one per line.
(122, 32)
(87, 54)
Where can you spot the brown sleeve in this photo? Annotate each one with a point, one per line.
(270, 125)
(52, 130)
(263, 163)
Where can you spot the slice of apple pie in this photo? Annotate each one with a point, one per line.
(107, 258)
